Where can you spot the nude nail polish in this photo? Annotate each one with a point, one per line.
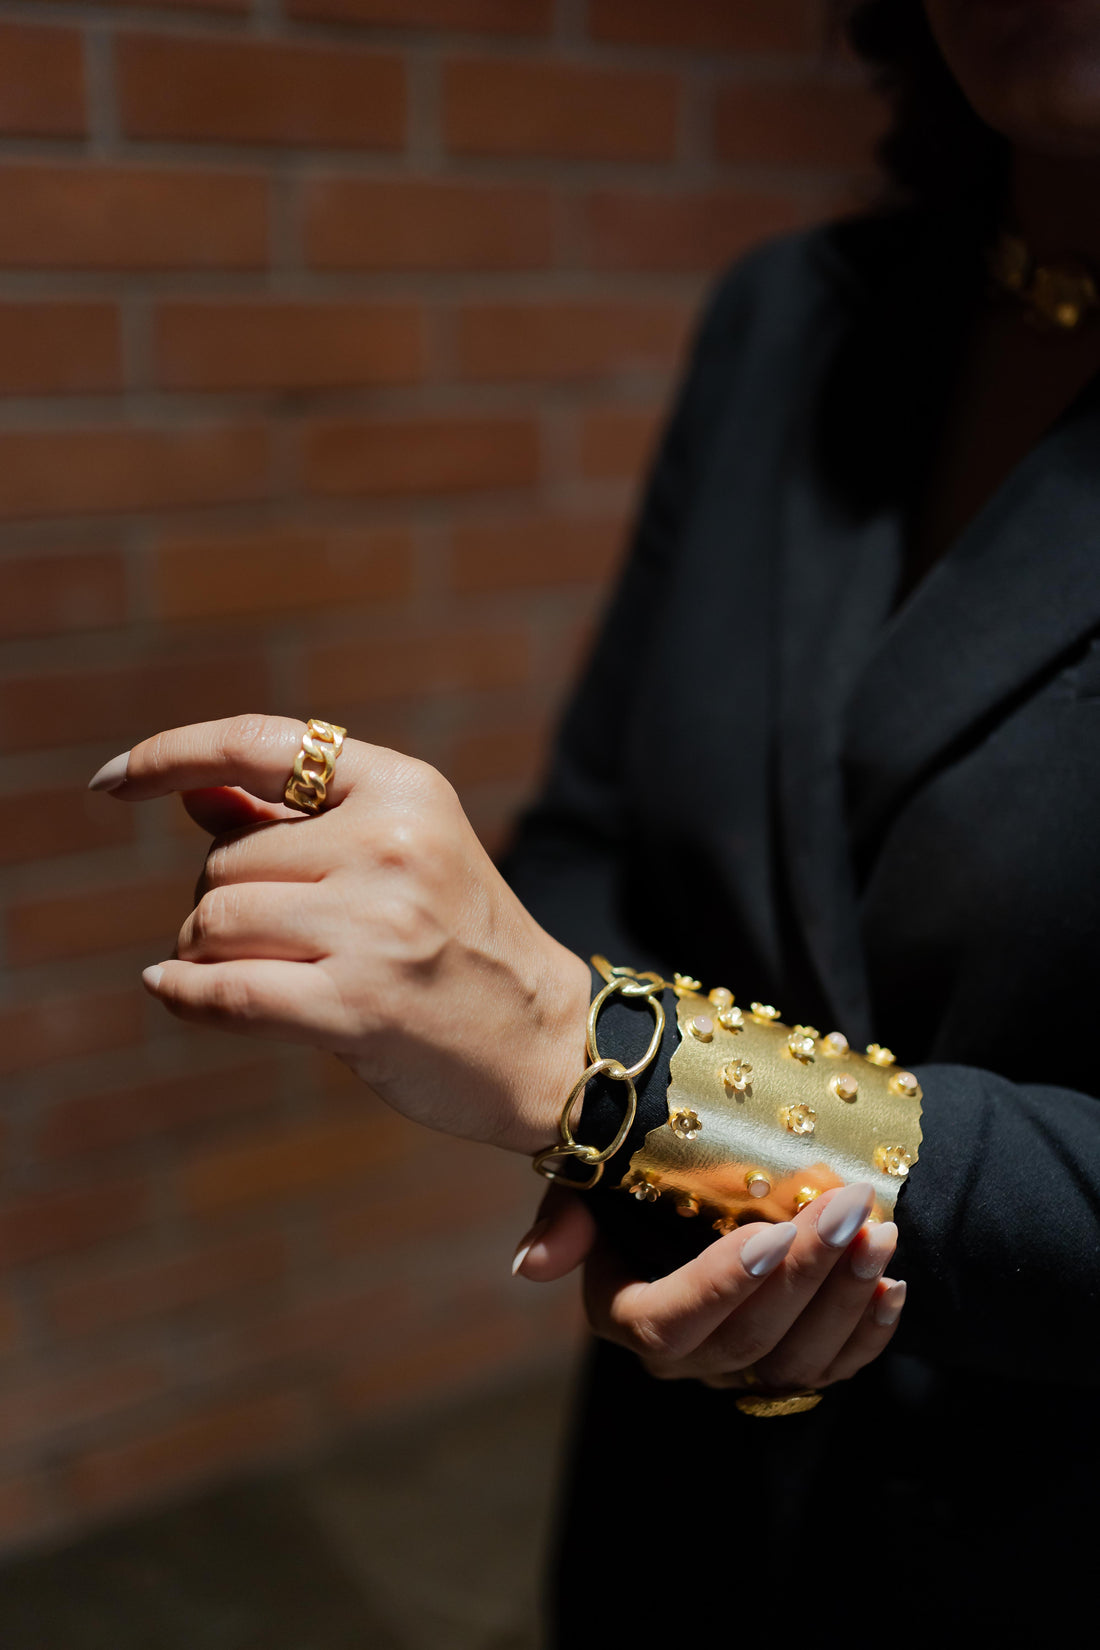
(872, 1256)
(764, 1250)
(111, 775)
(842, 1218)
(527, 1243)
(887, 1309)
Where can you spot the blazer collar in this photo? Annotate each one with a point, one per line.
(871, 704)
(1017, 590)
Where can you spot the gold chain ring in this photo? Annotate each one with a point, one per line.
(314, 766)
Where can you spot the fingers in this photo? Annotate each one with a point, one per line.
(254, 752)
(834, 1313)
(872, 1334)
(825, 1228)
(290, 1001)
(270, 851)
(561, 1237)
(221, 810)
(254, 919)
(669, 1318)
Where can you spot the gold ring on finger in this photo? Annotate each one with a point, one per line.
(314, 766)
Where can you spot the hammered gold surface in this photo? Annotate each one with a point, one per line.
(746, 1134)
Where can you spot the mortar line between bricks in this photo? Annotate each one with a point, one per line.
(99, 80)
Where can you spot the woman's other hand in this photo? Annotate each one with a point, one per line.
(802, 1304)
(379, 930)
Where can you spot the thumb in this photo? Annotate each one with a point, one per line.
(558, 1241)
(221, 809)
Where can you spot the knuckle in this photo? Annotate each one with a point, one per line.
(232, 997)
(749, 1344)
(661, 1370)
(243, 736)
(210, 918)
(651, 1339)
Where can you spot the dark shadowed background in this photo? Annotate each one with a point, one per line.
(333, 338)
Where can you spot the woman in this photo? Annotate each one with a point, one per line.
(837, 745)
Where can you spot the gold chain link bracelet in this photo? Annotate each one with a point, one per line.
(625, 982)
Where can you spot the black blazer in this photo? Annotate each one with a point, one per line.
(883, 817)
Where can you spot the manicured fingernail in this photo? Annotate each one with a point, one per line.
(764, 1250)
(845, 1214)
(887, 1309)
(870, 1259)
(152, 974)
(111, 775)
(527, 1243)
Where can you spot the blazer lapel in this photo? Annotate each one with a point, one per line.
(1018, 589)
(838, 579)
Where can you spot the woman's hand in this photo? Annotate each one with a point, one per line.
(379, 930)
(802, 1304)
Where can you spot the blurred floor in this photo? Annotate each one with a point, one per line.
(427, 1534)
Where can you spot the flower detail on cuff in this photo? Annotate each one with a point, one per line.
(645, 1190)
(686, 1124)
(737, 1075)
(893, 1160)
(800, 1119)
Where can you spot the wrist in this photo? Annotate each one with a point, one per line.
(558, 1049)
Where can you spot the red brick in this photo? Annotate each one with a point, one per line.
(41, 82)
(165, 1286)
(59, 349)
(410, 1367)
(682, 230)
(122, 1116)
(81, 925)
(259, 91)
(45, 594)
(38, 1224)
(21, 1508)
(266, 345)
(11, 1324)
(449, 1187)
(422, 223)
(497, 106)
(532, 552)
(571, 339)
(489, 755)
(286, 1166)
(129, 702)
(122, 217)
(42, 824)
(202, 1446)
(311, 1336)
(419, 455)
(473, 16)
(709, 25)
(191, 5)
(280, 569)
(395, 666)
(64, 1028)
(797, 123)
(31, 1415)
(66, 472)
(618, 441)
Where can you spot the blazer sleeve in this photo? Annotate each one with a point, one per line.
(1000, 1220)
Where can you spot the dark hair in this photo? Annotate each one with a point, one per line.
(938, 154)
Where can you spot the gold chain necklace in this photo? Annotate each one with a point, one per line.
(1057, 297)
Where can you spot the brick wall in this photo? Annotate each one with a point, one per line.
(332, 338)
